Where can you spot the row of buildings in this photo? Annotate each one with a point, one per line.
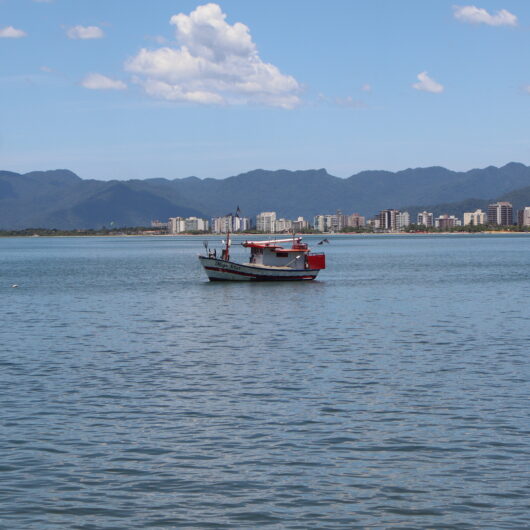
(338, 221)
(498, 214)
(391, 220)
(268, 222)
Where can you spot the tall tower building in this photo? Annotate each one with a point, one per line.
(388, 219)
(500, 213)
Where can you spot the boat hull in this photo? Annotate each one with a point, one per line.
(221, 270)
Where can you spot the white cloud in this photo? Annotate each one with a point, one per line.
(477, 15)
(526, 88)
(9, 32)
(84, 32)
(43, 1)
(96, 81)
(367, 87)
(46, 69)
(214, 63)
(163, 90)
(427, 84)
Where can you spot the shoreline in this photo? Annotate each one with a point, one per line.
(278, 236)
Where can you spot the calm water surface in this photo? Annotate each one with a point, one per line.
(392, 393)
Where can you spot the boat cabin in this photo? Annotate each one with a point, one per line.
(271, 254)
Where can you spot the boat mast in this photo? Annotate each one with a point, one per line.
(227, 248)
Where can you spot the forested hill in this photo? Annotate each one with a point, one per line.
(60, 199)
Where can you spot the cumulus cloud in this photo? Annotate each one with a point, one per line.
(9, 32)
(84, 32)
(96, 81)
(477, 15)
(213, 63)
(427, 84)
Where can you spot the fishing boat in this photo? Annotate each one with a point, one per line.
(268, 261)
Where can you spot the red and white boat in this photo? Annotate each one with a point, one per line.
(269, 261)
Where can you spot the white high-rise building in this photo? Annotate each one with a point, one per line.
(240, 224)
(478, 217)
(180, 225)
(266, 222)
(524, 216)
(425, 219)
(402, 220)
(323, 223)
(176, 225)
(232, 223)
(221, 225)
(300, 224)
(195, 224)
(283, 225)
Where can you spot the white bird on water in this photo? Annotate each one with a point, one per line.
(14, 285)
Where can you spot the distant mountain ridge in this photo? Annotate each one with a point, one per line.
(61, 199)
(518, 198)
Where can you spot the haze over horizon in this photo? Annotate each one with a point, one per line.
(184, 88)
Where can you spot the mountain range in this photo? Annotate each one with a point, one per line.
(61, 199)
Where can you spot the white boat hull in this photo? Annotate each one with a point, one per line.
(221, 270)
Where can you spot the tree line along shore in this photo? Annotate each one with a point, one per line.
(148, 231)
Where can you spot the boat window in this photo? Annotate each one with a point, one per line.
(282, 254)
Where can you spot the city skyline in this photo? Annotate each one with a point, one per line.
(388, 220)
(109, 98)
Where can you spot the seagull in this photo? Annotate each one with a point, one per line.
(14, 285)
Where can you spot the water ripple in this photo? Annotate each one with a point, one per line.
(393, 393)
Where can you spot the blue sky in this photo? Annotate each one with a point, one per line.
(137, 89)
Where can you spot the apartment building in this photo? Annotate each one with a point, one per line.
(266, 222)
(500, 214)
(180, 225)
(478, 217)
(426, 219)
(446, 221)
(230, 223)
(524, 216)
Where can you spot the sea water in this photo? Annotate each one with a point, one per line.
(392, 392)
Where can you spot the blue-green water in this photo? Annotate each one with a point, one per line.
(392, 393)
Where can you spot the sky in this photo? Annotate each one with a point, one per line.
(121, 89)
